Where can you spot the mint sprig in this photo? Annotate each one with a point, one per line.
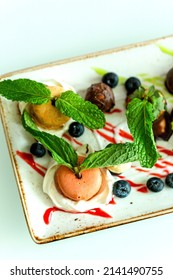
(25, 90)
(82, 111)
(153, 96)
(140, 116)
(113, 154)
(69, 103)
(61, 151)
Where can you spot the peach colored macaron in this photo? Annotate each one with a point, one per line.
(78, 189)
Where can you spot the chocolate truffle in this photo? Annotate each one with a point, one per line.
(169, 81)
(101, 95)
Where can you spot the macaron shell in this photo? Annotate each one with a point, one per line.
(78, 189)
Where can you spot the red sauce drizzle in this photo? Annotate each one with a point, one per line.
(141, 170)
(112, 201)
(133, 184)
(29, 159)
(116, 110)
(109, 129)
(158, 165)
(143, 189)
(109, 124)
(165, 151)
(166, 172)
(167, 162)
(125, 135)
(107, 137)
(95, 211)
(71, 139)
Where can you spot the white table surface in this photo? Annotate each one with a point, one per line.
(34, 32)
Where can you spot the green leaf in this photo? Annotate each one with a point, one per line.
(158, 105)
(122, 80)
(74, 106)
(153, 96)
(25, 90)
(138, 93)
(165, 50)
(113, 154)
(62, 152)
(157, 80)
(100, 71)
(140, 118)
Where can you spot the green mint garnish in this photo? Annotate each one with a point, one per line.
(74, 106)
(25, 90)
(153, 96)
(61, 151)
(113, 154)
(69, 103)
(158, 105)
(140, 117)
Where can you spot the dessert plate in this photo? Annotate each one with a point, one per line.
(149, 61)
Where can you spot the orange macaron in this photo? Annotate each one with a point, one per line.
(78, 189)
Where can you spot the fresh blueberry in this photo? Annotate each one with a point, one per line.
(121, 188)
(110, 79)
(37, 149)
(132, 84)
(76, 129)
(169, 180)
(155, 184)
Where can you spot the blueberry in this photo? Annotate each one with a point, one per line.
(110, 79)
(121, 188)
(155, 184)
(76, 129)
(132, 84)
(169, 180)
(37, 149)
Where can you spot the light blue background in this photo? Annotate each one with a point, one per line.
(39, 31)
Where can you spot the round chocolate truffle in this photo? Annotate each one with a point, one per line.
(101, 95)
(169, 81)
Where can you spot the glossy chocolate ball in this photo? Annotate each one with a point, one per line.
(101, 95)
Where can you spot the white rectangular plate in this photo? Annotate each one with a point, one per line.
(146, 61)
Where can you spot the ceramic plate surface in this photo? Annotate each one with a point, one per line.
(150, 62)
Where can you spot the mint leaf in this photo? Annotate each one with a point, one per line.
(152, 95)
(113, 154)
(61, 151)
(140, 118)
(158, 101)
(25, 90)
(74, 106)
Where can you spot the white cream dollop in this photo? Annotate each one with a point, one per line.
(59, 200)
(120, 168)
(67, 204)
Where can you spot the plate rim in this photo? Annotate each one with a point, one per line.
(84, 56)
